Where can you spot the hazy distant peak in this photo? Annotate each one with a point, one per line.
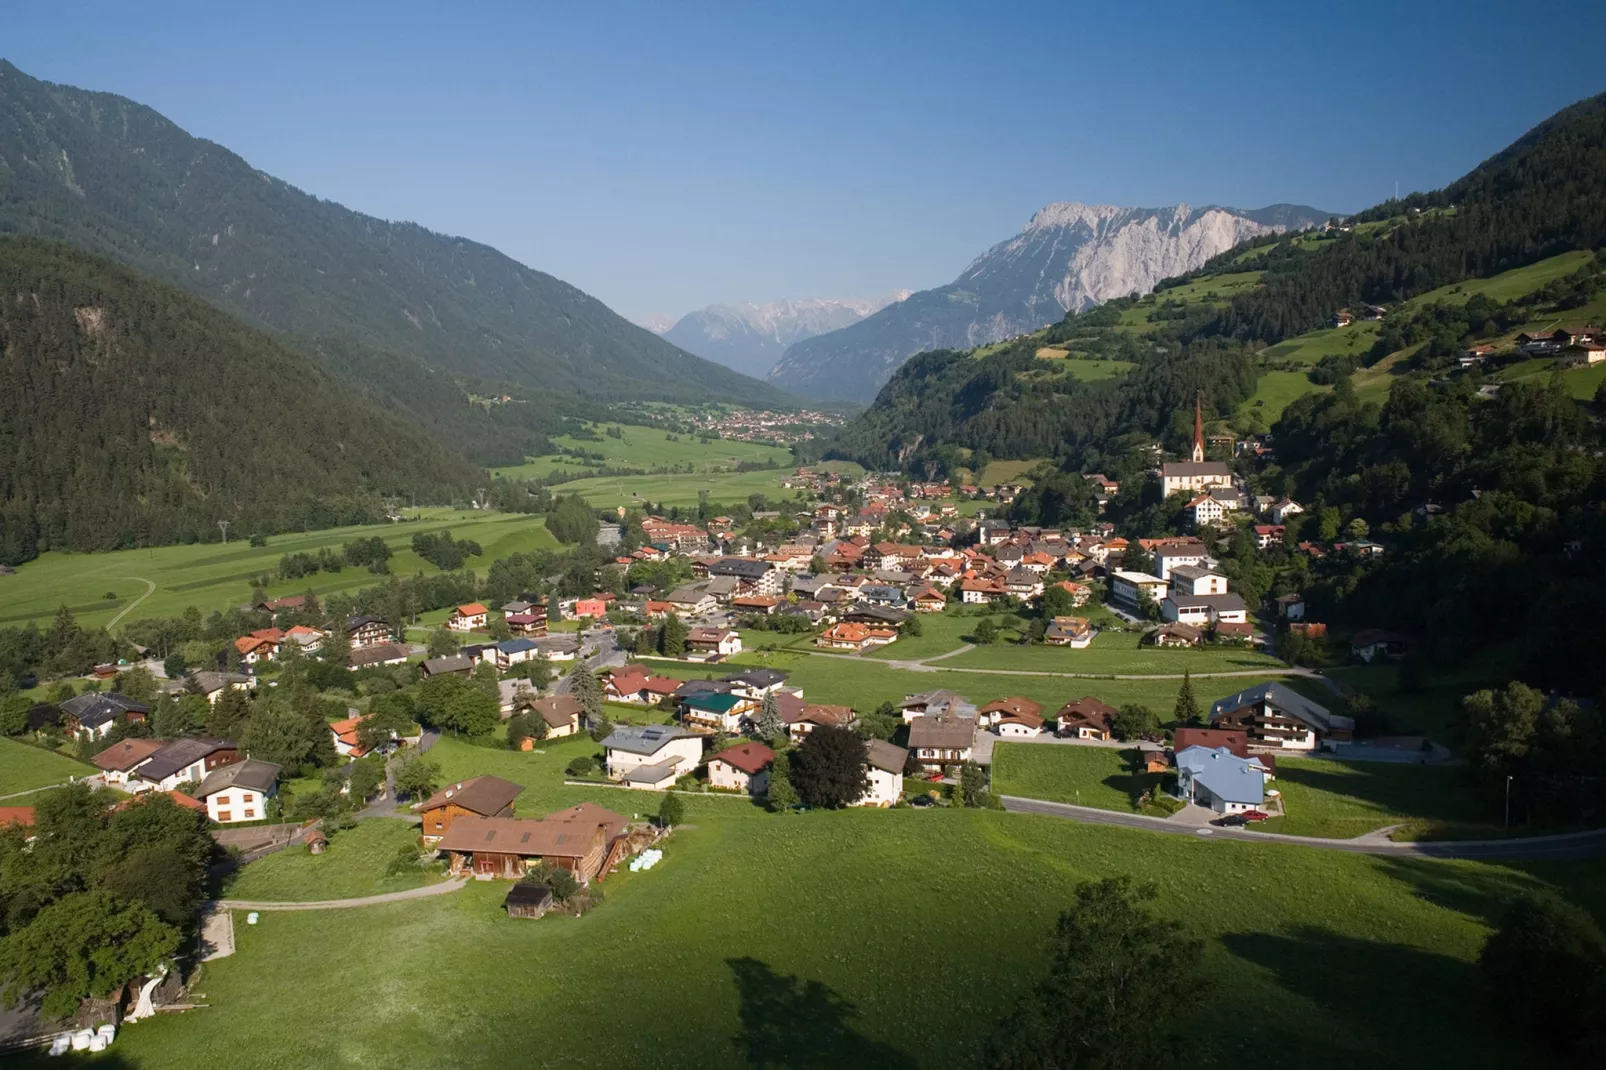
(751, 337)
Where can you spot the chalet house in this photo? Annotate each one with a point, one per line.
(1175, 634)
(378, 654)
(976, 590)
(180, 761)
(1374, 644)
(366, 631)
(883, 769)
(1080, 593)
(516, 607)
(481, 796)
(849, 635)
(261, 645)
(651, 756)
(1241, 633)
(941, 741)
(1199, 610)
(1342, 318)
(744, 767)
(528, 625)
(716, 712)
(1583, 353)
(93, 713)
(1194, 579)
(627, 684)
(1131, 588)
(348, 740)
(691, 600)
(1013, 706)
(1236, 743)
(593, 607)
(1220, 780)
(763, 605)
(928, 600)
(214, 684)
(1205, 511)
(1086, 718)
(935, 703)
(1284, 509)
(1074, 632)
(562, 713)
(290, 603)
(875, 616)
(310, 640)
(577, 840)
(118, 761)
(511, 652)
(800, 722)
(467, 618)
(1275, 716)
(752, 576)
(713, 642)
(1268, 535)
(562, 647)
(239, 791)
(756, 683)
(451, 665)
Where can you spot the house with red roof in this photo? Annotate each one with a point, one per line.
(744, 767)
(468, 617)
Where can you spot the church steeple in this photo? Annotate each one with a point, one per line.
(1198, 428)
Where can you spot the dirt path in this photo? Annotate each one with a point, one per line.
(150, 589)
(444, 888)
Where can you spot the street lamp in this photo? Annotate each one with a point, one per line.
(1508, 800)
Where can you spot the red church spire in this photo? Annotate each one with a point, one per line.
(1198, 428)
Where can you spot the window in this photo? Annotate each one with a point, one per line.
(225, 815)
(249, 814)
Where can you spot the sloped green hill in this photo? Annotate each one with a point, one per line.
(115, 177)
(134, 413)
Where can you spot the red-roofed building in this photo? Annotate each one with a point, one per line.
(23, 815)
(468, 617)
(744, 767)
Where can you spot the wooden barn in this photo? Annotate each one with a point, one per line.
(577, 840)
(527, 900)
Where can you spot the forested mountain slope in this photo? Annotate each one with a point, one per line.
(135, 413)
(1071, 391)
(115, 177)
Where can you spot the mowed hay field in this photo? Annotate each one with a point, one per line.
(1080, 774)
(216, 576)
(686, 488)
(24, 767)
(812, 940)
(647, 447)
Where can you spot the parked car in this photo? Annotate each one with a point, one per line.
(921, 800)
(1231, 821)
(1255, 815)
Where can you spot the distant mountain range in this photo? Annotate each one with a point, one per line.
(1069, 256)
(115, 177)
(751, 338)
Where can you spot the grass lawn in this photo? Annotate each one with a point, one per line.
(213, 576)
(1092, 371)
(1518, 282)
(1112, 652)
(1356, 340)
(1067, 773)
(795, 942)
(1275, 391)
(647, 447)
(680, 488)
(1322, 797)
(1581, 383)
(939, 633)
(354, 865)
(24, 767)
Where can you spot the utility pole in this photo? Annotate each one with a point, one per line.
(223, 526)
(1508, 801)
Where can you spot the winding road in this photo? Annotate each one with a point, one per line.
(1571, 845)
(150, 589)
(444, 888)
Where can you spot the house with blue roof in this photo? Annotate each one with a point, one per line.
(1216, 778)
(511, 652)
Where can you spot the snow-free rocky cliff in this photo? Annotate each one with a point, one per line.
(1069, 257)
(751, 338)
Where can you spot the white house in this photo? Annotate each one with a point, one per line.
(1129, 588)
(742, 768)
(652, 748)
(1200, 610)
(1205, 511)
(239, 791)
(182, 761)
(1285, 509)
(1194, 579)
(883, 769)
(468, 617)
(1167, 558)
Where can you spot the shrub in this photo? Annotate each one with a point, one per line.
(584, 765)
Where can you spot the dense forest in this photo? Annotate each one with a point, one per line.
(117, 178)
(136, 414)
(1540, 197)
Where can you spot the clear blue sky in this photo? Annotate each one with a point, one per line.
(665, 156)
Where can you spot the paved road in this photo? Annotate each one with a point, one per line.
(1530, 848)
(150, 589)
(925, 665)
(444, 888)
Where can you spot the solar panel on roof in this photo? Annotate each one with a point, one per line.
(524, 838)
(490, 835)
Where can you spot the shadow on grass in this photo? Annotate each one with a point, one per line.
(1135, 782)
(789, 1022)
(1432, 793)
(1482, 892)
(1416, 1005)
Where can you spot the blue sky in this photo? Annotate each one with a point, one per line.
(668, 156)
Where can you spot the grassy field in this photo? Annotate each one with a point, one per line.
(1088, 371)
(24, 767)
(1356, 340)
(684, 488)
(808, 941)
(1082, 775)
(1337, 799)
(1581, 383)
(353, 865)
(1507, 285)
(213, 576)
(1115, 653)
(1003, 472)
(647, 447)
(1275, 391)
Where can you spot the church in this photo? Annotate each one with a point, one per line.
(1195, 473)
